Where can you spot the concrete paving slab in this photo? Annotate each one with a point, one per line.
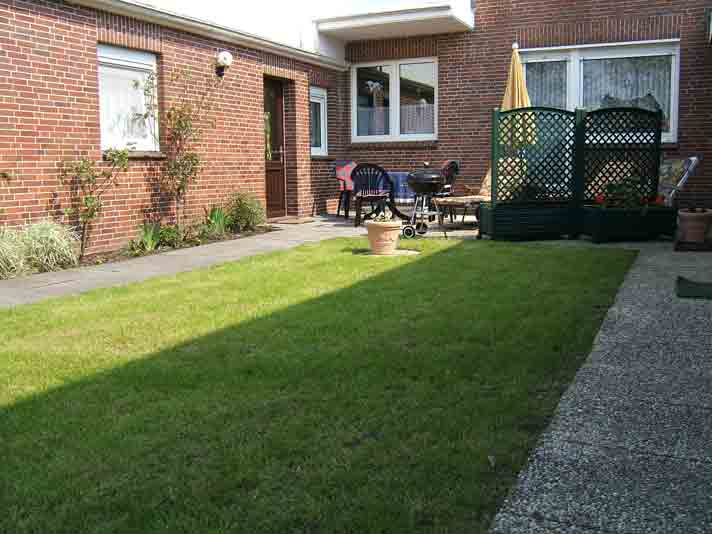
(645, 426)
(687, 386)
(612, 490)
(518, 523)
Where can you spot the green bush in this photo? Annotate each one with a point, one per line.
(171, 236)
(12, 254)
(246, 212)
(50, 246)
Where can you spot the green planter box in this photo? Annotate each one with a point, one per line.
(520, 221)
(623, 224)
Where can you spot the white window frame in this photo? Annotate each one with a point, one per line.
(394, 99)
(318, 96)
(575, 56)
(145, 62)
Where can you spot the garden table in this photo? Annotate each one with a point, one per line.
(450, 204)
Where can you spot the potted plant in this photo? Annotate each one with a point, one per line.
(383, 234)
(694, 223)
(624, 213)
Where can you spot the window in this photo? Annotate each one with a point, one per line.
(595, 77)
(395, 101)
(124, 76)
(317, 122)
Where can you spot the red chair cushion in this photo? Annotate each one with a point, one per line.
(343, 175)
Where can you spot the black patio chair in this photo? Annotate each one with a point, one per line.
(371, 184)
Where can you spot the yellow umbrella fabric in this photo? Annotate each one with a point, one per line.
(515, 96)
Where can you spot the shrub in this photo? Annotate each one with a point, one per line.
(89, 181)
(217, 223)
(49, 246)
(246, 212)
(12, 254)
(171, 236)
(148, 240)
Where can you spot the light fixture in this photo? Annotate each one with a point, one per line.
(222, 62)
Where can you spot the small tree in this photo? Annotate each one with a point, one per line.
(185, 121)
(89, 183)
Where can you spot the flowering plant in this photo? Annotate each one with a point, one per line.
(626, 194)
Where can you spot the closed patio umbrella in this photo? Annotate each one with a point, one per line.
(515, 96)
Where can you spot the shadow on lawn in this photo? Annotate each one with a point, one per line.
(406, 402)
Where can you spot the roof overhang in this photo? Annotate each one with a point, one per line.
(431, 20)
(203, 28)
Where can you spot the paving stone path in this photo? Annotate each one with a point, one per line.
(42, 286)
(630, 448)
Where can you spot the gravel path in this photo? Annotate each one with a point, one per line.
(630, 447)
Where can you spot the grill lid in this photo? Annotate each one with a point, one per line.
(426, 175)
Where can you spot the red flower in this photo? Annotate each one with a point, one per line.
(600, 199)
(660, 200)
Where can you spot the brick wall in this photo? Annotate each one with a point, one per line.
(473, 70)
(49, 100)
(49, 113)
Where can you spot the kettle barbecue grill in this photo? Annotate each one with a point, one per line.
(428, 183)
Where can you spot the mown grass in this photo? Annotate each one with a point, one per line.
(317, 390)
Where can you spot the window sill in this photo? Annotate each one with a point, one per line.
(322, 157)
(138, 154)
(146, 155)
(415, 144)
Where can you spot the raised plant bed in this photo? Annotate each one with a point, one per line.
(515, 221)
(628, 224)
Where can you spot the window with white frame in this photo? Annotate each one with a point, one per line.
(395, 100)
(594, 77)
(127, 80)
(317, 122)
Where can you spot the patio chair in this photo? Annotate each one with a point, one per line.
(342, 170)
(371, 184)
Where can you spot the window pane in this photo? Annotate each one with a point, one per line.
(122, 109)
(373, 94)
(546, 83)
(315, 124)
(417, 98)
(643, 82)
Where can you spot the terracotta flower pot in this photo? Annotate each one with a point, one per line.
(383, 236)
(694, 225)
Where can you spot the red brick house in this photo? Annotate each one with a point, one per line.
(392, 88)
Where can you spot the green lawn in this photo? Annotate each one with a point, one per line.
(317, 390)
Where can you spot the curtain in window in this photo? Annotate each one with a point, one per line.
(315, 124)
(373, 86)
(122, 104)
(643, 82)
(417, 98)
(547, 84)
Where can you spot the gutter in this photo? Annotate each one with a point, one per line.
(203, 28)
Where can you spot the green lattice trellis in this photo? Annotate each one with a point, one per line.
(621, 144)
(547, 163)
(533, 155)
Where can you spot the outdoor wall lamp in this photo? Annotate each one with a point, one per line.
(222, 62)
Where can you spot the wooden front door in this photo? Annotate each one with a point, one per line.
(275, 177)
